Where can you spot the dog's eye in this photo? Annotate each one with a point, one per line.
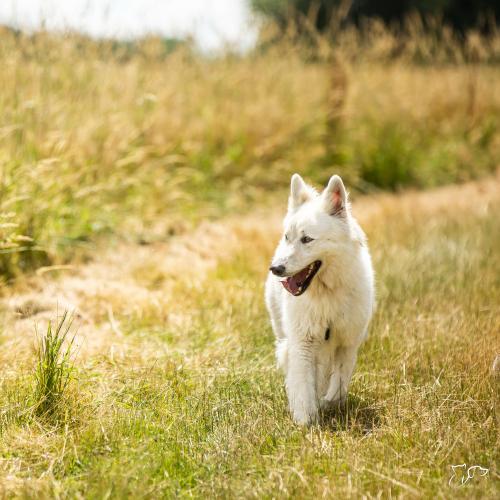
(305, 239)
(286, 237)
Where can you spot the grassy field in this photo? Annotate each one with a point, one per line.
(142, 189)
(139, 143)
(174, 392)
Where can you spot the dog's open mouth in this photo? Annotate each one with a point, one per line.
(298, 283)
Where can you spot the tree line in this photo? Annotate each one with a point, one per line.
(461, 15)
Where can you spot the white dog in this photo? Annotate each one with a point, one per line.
(320, 296)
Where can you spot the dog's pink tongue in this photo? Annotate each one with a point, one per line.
(291, 285)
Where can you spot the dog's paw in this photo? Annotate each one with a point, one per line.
(302, 418)
(305, 413)
(332, 404)
(324, 404)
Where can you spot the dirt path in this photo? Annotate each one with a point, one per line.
(134, 278)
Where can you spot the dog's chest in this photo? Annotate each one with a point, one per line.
(320, 318)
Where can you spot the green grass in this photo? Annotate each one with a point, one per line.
(196, 408)
(53, 367)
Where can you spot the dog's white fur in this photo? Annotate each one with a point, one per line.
(340, 297)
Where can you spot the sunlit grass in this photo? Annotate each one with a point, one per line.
(113, 158)
(189, 402)
(99, 140)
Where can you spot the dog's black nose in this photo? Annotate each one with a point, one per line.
(277, 270)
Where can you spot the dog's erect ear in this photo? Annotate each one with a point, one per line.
(335, 197)
(300, 192)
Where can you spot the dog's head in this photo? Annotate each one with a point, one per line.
(316, 227)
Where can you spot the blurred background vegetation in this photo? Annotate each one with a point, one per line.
(141, 140)
(461, 15)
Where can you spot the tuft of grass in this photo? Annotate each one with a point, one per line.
(54, 365)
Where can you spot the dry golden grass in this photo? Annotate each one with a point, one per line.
(98, 139)
(175, 390)
(145, 190)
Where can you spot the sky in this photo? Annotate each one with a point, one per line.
(212, 23)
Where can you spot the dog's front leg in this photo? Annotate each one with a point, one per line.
(300, 382)
(343, 366)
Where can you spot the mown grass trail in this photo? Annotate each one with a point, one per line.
(174, 390)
